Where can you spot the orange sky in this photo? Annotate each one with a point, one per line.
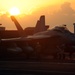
(31, 10)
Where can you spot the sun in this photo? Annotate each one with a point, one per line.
(14, 11)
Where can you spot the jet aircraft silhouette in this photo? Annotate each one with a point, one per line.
(52, 41)
(11, 43)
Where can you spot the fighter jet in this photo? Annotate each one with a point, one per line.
(46, 42)
(20, 43)
(56, 40)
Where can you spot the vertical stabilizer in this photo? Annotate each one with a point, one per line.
(18, 26)
(40, 26)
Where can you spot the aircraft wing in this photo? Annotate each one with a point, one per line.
(38, 37)
(15, 39)
(50, 38)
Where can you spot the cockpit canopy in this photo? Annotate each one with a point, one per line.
(55, 30)
(61, 29)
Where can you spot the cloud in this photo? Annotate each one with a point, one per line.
(65, 15)
(67, 9)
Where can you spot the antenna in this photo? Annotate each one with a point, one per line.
(0, 24)
(74, 27)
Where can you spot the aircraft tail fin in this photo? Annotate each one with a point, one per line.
(18, 26)
(40, 25)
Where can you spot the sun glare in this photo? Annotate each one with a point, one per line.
(14, 11)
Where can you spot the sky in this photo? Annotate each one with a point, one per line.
(57, 12)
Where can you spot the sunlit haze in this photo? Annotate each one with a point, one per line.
(14, 11)
(57, 12)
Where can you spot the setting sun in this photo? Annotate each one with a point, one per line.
(14, 11)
